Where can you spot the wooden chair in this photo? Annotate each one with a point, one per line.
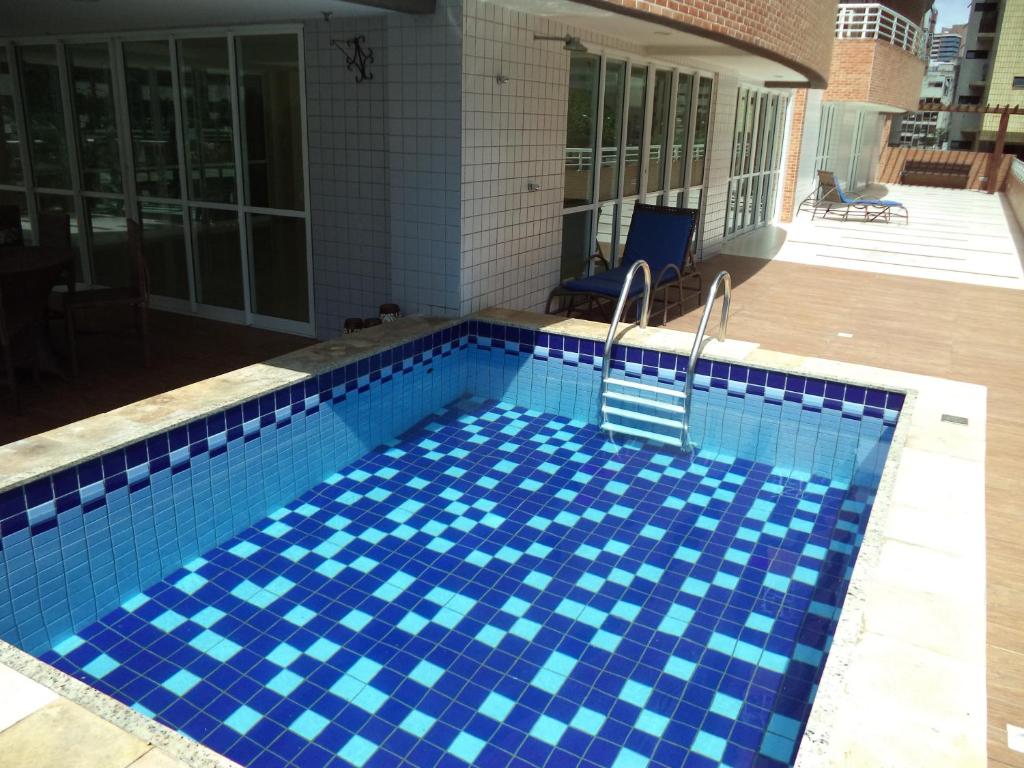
(135, 297)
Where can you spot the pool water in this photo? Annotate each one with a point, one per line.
(500, 586)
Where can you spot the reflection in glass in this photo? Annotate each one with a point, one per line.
(216, 249)
(748, 130)
(10, 154)
(581, 127)
(163, 242)
(658, 149)
(208, 127)
(762, 132)
(44, 113)
(268, 77)
(92, 92)
(681, 131)
(278, 266)
(735, 169)
(607, 233)
(147, 73)
(17, 199)
(700, 132)
(635, 129)
(625, 217)
(611, 128)
(576, 244)
(108, 236)
(47, 203)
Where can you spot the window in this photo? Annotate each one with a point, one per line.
(650, 143)
(968, 100)
(177, 132)
(1018, 82)
(757, 156)
(977, 54)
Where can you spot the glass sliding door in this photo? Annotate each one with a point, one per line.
(636, 115)
(658, 149)
(200, 136)
(756, 159)
(580, 129)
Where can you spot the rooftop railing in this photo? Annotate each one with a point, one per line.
(874, 21)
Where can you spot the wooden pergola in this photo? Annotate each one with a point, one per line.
(1003, 110)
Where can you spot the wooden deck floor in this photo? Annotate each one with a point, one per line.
(938, 328)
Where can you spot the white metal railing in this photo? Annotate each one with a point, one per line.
(582, 158)
(874, 21)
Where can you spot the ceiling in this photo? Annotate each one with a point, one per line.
(657, 40)
(24, 18)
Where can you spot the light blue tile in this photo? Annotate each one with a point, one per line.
(168, 621)
(208, 616)
(627, 758)
(777, 747)
(67, 645)
(636, 693)
(309, 724)
(652, 723)
(357, 751)
(426, 674)
(489, 635)
(356, 620)
(588, 721)
(300, 615)
(284, 682)
(102, 666)
(243, 719)
(725, 705)
(548, 730)
(181, 682)
(496, 706)
(709, 745)
(370, 699)
(417, 723)
(760, 622)
(466, 747)
(190, 583)
(283, 655)
(322, 649)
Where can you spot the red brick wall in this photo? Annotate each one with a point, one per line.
(797, 34)
(873, 72)
(890, 164)
(792, 159)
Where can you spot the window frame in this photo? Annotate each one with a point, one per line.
(664, 192)
(129, 196)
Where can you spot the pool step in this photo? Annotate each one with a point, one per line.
(670, 403)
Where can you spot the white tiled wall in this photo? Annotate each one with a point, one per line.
(348, 174)
(423, 114)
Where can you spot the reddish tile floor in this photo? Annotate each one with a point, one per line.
(185, 349)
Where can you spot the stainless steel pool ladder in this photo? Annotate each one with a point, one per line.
(672, 407)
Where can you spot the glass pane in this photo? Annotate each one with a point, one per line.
(92, 91)
(762, 132)
(607, 232)
(17, 199)
(681, 131)
(147, 73)
(216, 248)
(625, 217)
(700, 131)
(10, 153)
(748, 131)
(576, 244)
(62, 204)
(657, 151)
(163, 242)
(209, 132)
(580, 129)
(268, 77)
(108, 236)
(611, 127)
(279, 281)
(44, 113)
(730, 208)
(737, 142)
(635, 129)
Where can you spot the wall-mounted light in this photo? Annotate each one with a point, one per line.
(501, 79)
(570, 43)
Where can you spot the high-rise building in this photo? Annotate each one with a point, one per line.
(929, 128)
(945, 46)
(992, 73)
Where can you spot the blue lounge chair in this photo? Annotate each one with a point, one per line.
(831, 201)
(660, 235)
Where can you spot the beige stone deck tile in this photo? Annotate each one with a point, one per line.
(20, 697)
(64, 735)
(155, 758)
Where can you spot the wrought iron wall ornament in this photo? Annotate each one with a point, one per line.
(360, 59)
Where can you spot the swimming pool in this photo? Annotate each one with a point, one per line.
(480, 578)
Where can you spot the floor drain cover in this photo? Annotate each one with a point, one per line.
(954, 419)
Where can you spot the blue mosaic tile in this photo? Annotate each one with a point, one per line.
(621, 613)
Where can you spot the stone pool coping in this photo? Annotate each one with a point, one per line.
(904, 683)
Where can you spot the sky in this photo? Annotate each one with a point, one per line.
(952, 12)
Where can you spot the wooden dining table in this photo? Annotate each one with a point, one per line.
(27, 276)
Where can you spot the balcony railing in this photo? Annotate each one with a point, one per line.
(874, 21)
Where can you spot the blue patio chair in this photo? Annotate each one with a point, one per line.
(833, 202)
(660, 235)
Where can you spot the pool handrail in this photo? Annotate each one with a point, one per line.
(724, 279)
